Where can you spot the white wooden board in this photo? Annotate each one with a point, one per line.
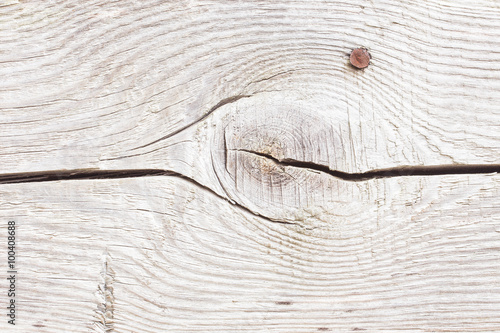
(214, 93)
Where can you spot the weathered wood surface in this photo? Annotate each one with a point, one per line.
(231, 240)
(176, 258)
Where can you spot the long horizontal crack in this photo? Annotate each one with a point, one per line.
(47, 176)
(432, 170)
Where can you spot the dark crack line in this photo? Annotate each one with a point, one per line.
(223, 102)
(432, 170)
(58, 175)
(48, 176)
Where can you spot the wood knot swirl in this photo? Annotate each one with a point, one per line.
(254, 143)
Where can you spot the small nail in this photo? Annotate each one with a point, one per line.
(360, 58)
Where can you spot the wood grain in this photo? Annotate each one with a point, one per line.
(167, 256)
(89, 82)
(227, 240)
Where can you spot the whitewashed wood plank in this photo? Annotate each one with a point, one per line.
(83, 83)
(107, 85)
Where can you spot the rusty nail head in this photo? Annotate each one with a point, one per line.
(360, 58)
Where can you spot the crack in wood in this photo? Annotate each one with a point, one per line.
(58, 175)
(79, 174)
(431, 170)
(46, 176)
(106, 300)
(223, 102)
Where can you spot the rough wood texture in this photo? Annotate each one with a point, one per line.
(177, 258)
(85, 82)
(221, 95)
